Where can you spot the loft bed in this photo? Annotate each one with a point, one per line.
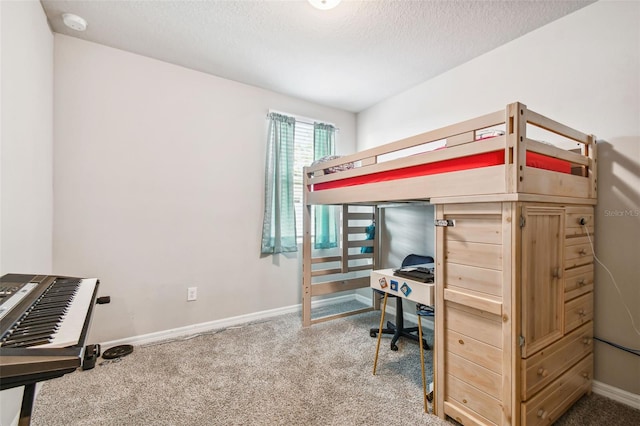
(507, 178)
(507, 167)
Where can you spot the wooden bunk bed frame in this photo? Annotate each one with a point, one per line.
(514, 274)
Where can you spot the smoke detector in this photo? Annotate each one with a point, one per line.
(324, 4)
(74, 22)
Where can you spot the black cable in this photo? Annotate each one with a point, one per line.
(615, 345)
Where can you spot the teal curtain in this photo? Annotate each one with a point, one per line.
(326, 217)
(279, 224)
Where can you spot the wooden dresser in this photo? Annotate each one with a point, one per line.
(514, 294)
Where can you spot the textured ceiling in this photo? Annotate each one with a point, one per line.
(350, 57)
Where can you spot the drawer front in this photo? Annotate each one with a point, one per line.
(547, 365)
(550, 403)
(577, 252)
(573, 227)
(578, 281)
(578, 311)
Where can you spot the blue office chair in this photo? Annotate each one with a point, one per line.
(398, 330)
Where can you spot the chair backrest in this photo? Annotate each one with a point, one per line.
(416, 259)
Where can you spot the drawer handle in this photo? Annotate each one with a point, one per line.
(581, 312)
(464, 400)
(581, 282)
(586, 341)
(556, 273)
(542, 414)
(585, 375)
(582, 252)
(543, 372)
(461, 341)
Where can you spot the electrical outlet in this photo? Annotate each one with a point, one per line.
(192, 293)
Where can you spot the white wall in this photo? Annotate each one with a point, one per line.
(26, 138)
(583, 70)
(26, 144)
(159, 183)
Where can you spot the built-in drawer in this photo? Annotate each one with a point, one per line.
(578, 281)
(551, 402)
(546, 365)
(573, 223)
(578, 311)
(577, 252)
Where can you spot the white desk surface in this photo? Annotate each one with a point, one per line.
(416, 291)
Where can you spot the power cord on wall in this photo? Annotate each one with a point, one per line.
(583, 222)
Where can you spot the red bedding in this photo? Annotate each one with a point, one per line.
(486, 159)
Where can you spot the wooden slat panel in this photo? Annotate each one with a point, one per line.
(486, 229)
(361, 256)
(485, 180)
(360, 243)
(545, 182)
(327, 259)
(341, 285)
(323, 272)
(359, 216)
(474, 254)
(473, 399)
(473, 278)
(469, 324)
(474, 350)
(479, 377)
(555, 152)
(359, 268)
(357, 229)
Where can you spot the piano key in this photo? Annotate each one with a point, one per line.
(48, 311)
(32, 343)
(42, 320)
(73, 321)
(49, 303)
(25, 339)
(49, 328)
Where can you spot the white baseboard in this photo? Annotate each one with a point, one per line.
(189, 330)
(619, 395)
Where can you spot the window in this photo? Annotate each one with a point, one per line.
(303, 156)
(292, 144)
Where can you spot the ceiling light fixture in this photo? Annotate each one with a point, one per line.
(74, 22)
(324, 4)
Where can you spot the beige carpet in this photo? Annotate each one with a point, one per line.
(269, 373)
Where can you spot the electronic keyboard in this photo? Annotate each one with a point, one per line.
(44, 322)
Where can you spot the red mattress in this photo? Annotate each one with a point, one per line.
(486, 159)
